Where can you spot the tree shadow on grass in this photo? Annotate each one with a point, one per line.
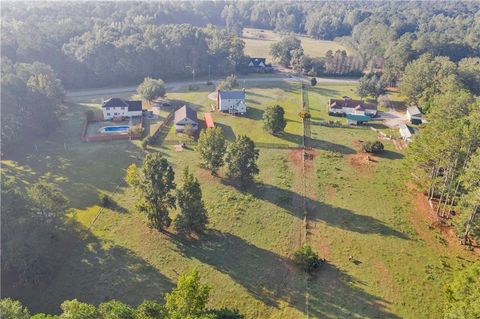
(319, 211)
(272, 278)
(227, 131)
(93, 270)
(324, 91)
(263, 273)
(335, 294)
(390, 155)
(329, 146)
(254, 113)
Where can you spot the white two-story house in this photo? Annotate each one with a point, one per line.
(232, 102)
(116, 107)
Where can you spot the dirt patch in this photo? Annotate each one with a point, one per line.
(302, 159)
(385, 280)
(424, 218)
(363, 161)
(330, 192)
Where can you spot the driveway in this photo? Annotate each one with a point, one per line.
(392, 118)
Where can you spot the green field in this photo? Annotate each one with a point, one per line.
(353, 209)
(257, 44)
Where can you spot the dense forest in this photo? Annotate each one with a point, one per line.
(106, 43)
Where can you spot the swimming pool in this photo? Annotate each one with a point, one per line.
(115, 129)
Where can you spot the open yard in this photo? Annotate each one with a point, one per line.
(257, 44)
(355, 207)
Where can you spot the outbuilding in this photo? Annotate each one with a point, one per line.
(405, 133)
(414, 115)
(185, 116)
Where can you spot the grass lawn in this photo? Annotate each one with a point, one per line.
(354, 208)
(257, 44)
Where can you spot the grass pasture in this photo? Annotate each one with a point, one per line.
(354, 209)
(257, 44)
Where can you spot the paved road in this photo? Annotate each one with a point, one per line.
(173, 86)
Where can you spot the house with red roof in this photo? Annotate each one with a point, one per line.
(346, 105)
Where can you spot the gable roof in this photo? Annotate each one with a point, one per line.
(258, 62)
(414, 111)
(232, 95)
(118, 102)
(348, 102)
(405, 131)
(185, 112)
(114, 102)
(134, 105)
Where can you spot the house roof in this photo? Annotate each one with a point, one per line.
(232, 95)
(405, 131)
(359, 108)
(185, 112)
(118, 102)
(414, 111)
(134, 105)
(348, 102)
(209, 120)
(257, 61)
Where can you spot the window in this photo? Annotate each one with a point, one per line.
(115, 113)
(108, 114)
(108, 109)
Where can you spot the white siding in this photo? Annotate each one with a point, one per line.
(236, 104)
(111, 112)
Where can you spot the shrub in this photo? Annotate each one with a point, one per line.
(136, 130)
(313, 81)
(375, 147)
(193, 87)
(304, 115)
(105, 200)
(306, 258)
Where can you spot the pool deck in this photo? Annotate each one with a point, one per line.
(94, 128)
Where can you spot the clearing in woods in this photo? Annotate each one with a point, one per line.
(258, 41)
(364, 212)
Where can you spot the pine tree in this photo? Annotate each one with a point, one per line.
(156, 185)
(193, 215)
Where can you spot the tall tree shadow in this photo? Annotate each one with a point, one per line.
(272, 278)
(94, 270)
(263, 273)
(318, 211)
(333, 294)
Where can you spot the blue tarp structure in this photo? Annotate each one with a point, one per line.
(358, 118)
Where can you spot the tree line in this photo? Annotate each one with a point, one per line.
(445, 156)
(31, 97)
(289, 53)
(188, 300)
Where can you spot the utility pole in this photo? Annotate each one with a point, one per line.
(209, 77)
